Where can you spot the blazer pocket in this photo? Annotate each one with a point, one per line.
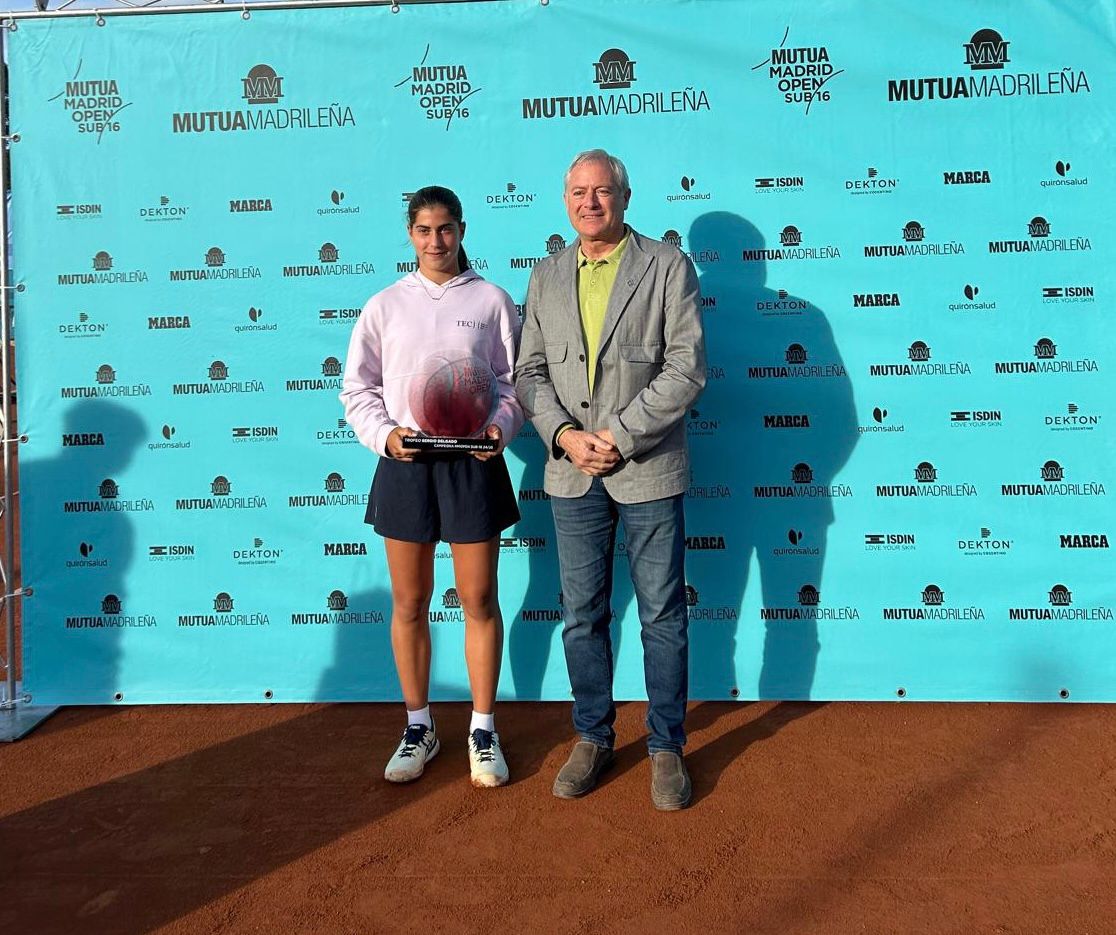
(556, 352)
(641, 353)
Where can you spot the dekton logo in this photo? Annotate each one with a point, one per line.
(1083, 540)
(880, 423)
(329, 265)
(926, 485)
(699, 425)
(1040, 241)
(790, 248)
(1065, 176)
(876, 300)
(613, 75)
(512, 197)
(178, 552)
(779, 184)
(986, 544)
(80, 212)
(1046, 361)
(84, 328)
(103, 274)
(164, 211)
(338, 433)
(986, 53)
(1060, 600)
(259, 553)
(933, 601)
(1053, 484)
(109, 501)
(1073, 421)
(801, 73)
(782, 305)
(967, 177)
(871, 184)
(441, 91)
(1068, 294)
(261, 90)
(93, 105)
(889, 542)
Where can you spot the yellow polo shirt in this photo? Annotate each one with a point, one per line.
(595, 279)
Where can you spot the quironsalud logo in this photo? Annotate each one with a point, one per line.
(441, 91)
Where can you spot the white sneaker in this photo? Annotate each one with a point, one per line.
(417, 748)
(487, 767)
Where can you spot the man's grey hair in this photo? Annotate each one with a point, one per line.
(619, 172)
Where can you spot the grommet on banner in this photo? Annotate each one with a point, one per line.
(901, 692)
(268, 694)
(244, 14)
(544, 2)
(14, 138)
(394, 7)
(1063, 694)
(735, 692)
(119, 696)
(11, 25)
(100, 19)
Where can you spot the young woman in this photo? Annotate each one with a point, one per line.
(433, 354)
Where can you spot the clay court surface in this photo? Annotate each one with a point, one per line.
(807, 818)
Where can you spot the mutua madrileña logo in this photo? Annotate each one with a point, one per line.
(614, 75)
(214, 268)
(332, 494)
(109, 501)
(914, 244)
(674, 238)
(222, 497)
(103, 274)
(329, 380)
(218, 382)
(451, 611)
(441, 91)
(802, 486)
(1052, 483)
(796, 366)
(554, 245)
(800, 73)
(809, 607)
(790, 248)
(986, 54)
(926, 485)
(105, 386)
(1046, 361)
(336, 612)
(933, 607)
(111, 616)
(224, 614)
(920, 364)
(329, 264)
(262, 91)
(1040, 241)
(695, 610)
(1059, 606)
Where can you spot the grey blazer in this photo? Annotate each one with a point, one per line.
(650, 369)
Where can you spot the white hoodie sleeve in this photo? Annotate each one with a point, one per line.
(362, 388)
(505, 344)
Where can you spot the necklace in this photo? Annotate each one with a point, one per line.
(444, 287)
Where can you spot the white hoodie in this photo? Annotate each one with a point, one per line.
(424, 355)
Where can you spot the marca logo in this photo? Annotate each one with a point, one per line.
(81, 439)
(1083, 541)
(876, 300)
(161, 322)
(967, 177)
(786, 421)
(262, 85)
(336, 549)
(705, 543)
(240, 205)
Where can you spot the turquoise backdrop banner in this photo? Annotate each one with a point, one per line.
(903, 459)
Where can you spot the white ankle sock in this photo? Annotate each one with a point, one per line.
(421, 716)
(483, 721)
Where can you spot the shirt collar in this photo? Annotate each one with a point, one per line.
(613, 256)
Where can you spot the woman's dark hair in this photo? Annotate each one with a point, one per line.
(433, 196)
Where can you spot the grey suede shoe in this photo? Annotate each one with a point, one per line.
(670, 783)
(587, 761)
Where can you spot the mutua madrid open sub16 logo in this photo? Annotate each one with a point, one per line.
(441, 91)
(262, 90)
(986, 54)
(93, 104)
(614, 75)
(801, 73)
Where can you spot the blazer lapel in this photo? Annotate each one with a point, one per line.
(567, 278)
(633, 266)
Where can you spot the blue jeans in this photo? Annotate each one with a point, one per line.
(656, 545)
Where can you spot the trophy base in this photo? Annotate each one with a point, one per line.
(448, 443)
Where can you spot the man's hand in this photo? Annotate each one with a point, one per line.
(493, 431)
(394, 443)
(592, 453)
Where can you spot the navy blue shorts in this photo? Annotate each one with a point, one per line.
(441, 497)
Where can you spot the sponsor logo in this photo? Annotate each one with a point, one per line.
(779, 184)
(674, 238)
(809, 607)
(171, 552)
(798, 545)
(329, 380)
(224, 614)
(105, 386)
(1063, 175)
(782, 305)
(163, 211)
(109, 501)
(164, 322)
(889, 542)
(933, 607)
(975, 418)
(168, 434)
(1068, 294)
(442, 92)
(511, 197)
(214, 268)
(103, 274)
(914, 244)
(218, 383)
(800, 73)
(337, 433)
(262, 89)
(336, 613)
(926, 485)
(1059, 606)
(249, 205)
(871, 184)
(986, 53)
(797, 366)
(87, 560)
(522, 544)
(1074, 420)
(696, 610)
(82, 439)
(451, 609)
(259, 553)
(1040, 241)
(880, 423)
(802, 486)
(555, 244)
(344, 549)
(254, 433)
(985, 544)
(876, 300)
(329, 264)
(93, 105)
(111, 615)
(332, 494)
(971, 304)
(689, 191)
(967, 177)
(84, 328)
(78, 212)
(338, 204)
(920, 364)
(1052, 483)
(790, 248)
(1083, 540)
(221, 498)
(614, 75)
(786, 421)
(1046, 361)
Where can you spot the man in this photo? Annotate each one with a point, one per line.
(611, 358)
